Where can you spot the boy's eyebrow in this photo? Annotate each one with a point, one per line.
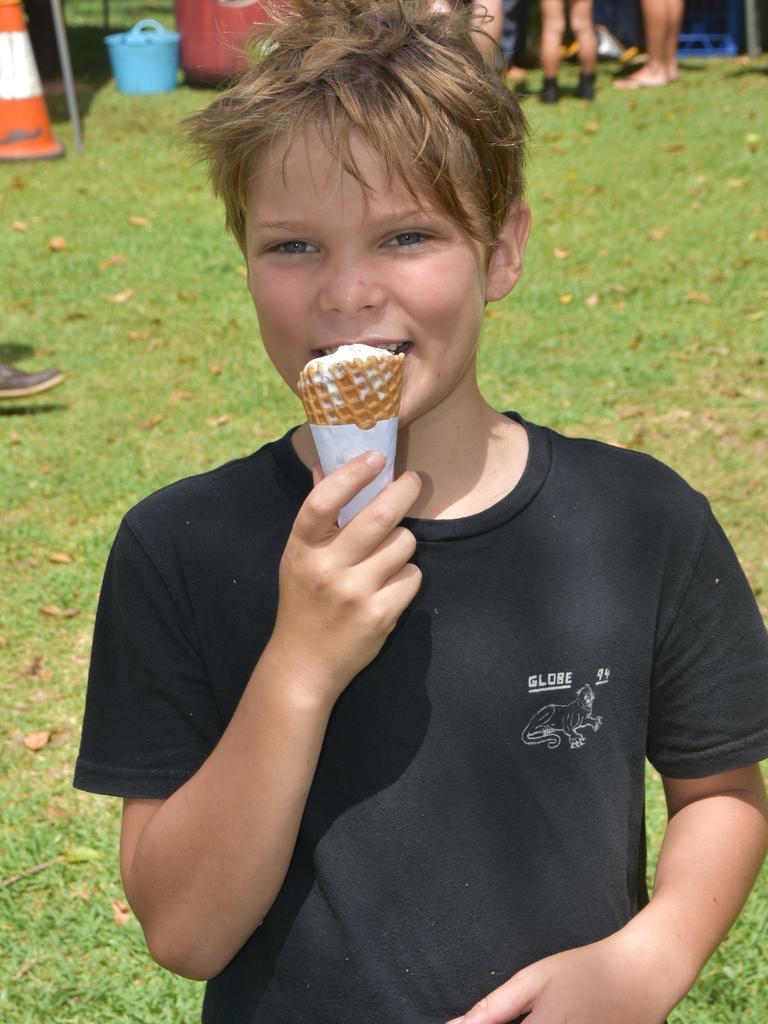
(282, 225)
(383, 221)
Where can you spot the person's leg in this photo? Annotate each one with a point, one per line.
(489, 18)
(661, 22)
(674, 25)
(514, 30)
(583, 28)
(552, 31)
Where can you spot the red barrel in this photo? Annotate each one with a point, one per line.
(214, 34)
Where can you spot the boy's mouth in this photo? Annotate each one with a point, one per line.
(396, 347)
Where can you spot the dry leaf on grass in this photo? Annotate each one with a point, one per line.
(24, 969)
(566, 300)
(153, 421)
(37, 740)
(703, 297)
(561, 254)
(60, 558)
(217, 421)
(57, 244)
(119, 297)
(592, 300)
(55, 612)
(35, 668)
(14, 438)
(628, 412)
(216, 370)
(657, 234)
(19, 225)
(140, 222)
(121, 913)
(117, 260)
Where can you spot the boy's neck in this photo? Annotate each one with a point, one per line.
(466, 464)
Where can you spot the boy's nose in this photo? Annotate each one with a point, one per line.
(350, 289)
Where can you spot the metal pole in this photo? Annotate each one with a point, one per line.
(66, 70)
(750, 18)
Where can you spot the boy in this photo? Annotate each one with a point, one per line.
(393, 772)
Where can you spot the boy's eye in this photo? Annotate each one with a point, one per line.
(295, 246)
(405, 238)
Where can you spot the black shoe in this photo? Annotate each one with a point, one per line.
(550, 92)
(585, 90)
(17, 384)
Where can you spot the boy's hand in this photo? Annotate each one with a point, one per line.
(342, 591)
(603, 983)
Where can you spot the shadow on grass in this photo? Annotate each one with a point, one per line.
(748, 70)
(32, 410)
(11, 351)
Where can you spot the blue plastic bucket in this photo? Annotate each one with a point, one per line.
(145, 59)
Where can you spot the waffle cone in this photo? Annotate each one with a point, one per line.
(360, 391)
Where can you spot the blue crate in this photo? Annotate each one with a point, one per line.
(712, 28)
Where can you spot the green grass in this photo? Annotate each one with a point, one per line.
(658, 198)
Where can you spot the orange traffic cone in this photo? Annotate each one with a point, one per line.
(25, 129)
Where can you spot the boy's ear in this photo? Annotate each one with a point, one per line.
(505, 262)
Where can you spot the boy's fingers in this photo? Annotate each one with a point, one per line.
(318, 515)
(317, 474)
(404, 586)
(369, 528)
(392, 554)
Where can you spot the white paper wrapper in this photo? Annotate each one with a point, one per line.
(336, 445)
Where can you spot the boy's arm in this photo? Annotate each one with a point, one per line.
(714, 844)
(202, 868)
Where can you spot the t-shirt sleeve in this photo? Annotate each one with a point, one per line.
(709, 693)
(150, 714)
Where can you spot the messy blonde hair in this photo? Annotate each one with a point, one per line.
(405, 75)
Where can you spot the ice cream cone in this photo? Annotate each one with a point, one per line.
(352, 398)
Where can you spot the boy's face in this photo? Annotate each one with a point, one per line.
(331, 263)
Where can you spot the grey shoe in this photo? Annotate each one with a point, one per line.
(17, 384)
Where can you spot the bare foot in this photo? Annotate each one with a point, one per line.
(644, 78)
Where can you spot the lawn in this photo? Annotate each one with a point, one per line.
(641, 319)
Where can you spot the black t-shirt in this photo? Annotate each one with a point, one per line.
(478, 803)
